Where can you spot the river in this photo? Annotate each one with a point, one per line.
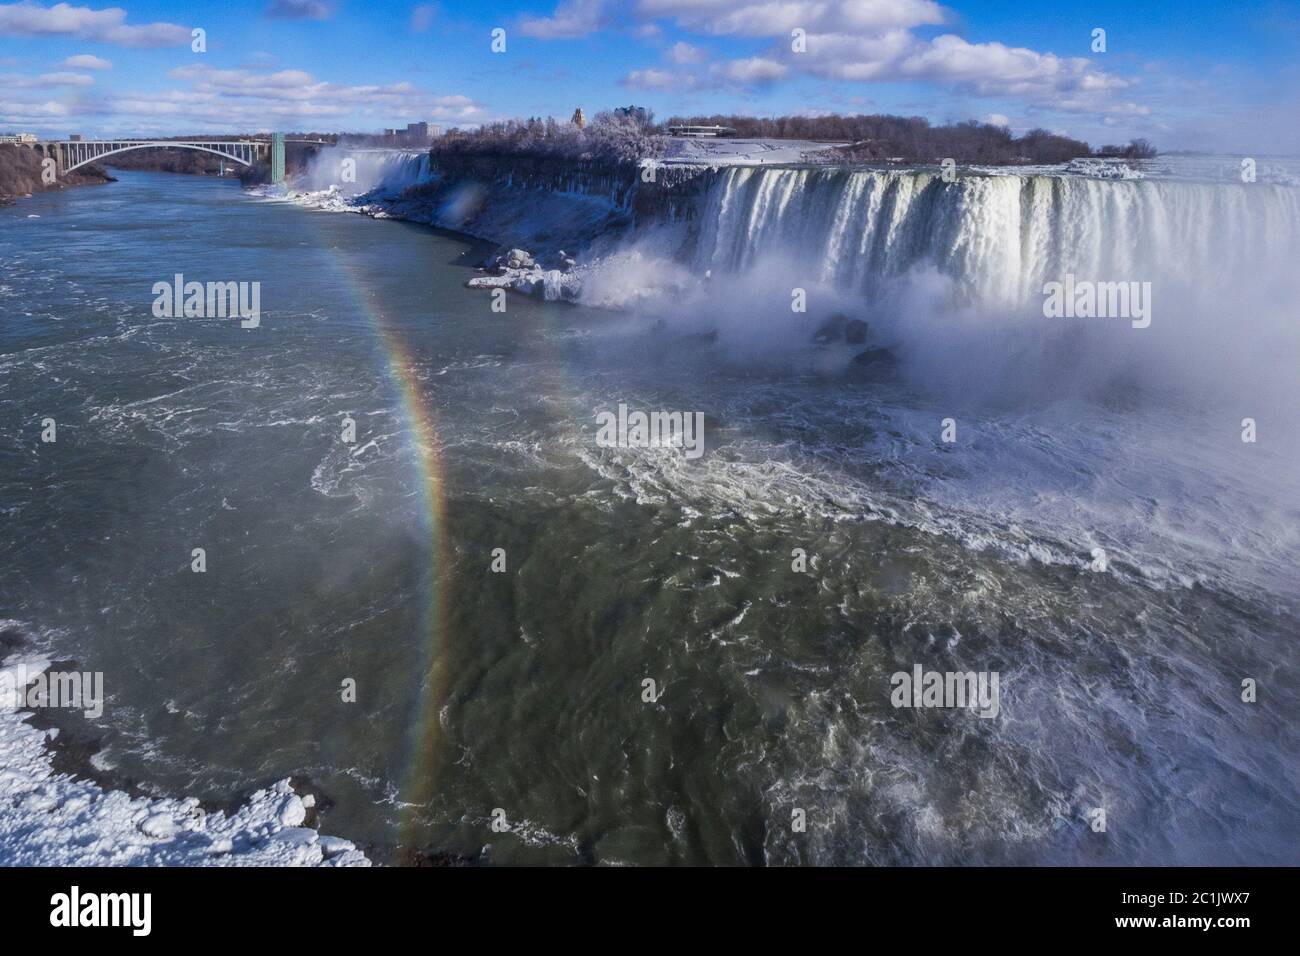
(500, 588)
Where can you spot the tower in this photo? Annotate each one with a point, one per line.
(579, 120)
(277, 157)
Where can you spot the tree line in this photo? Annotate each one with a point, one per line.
(625, 136)
(914, 139)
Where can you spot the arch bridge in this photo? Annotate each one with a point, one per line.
(70, 155)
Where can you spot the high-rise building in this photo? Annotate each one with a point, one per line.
(638, 113)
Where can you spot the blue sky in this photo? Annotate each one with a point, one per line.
(1221, 76)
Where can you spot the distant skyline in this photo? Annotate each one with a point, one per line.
(1187, 75)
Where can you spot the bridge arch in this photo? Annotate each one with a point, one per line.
(165, 144)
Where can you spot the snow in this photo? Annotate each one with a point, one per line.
(1104, 169)
(738, 152)
(52, 819)
(553, 284)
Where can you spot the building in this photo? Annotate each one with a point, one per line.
(17, 137)
(579, 118)
(76, 138)
(414, 134)
(700, 131)
(638, 113)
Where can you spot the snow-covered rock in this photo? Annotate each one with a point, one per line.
(1103, 169)
(333, 846)
(553, 285)
(299, 836)
(513, 259)
(158, 825)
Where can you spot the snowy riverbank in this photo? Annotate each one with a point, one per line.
(49, 818)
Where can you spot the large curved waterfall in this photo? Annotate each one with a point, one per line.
(999, 237)
(950, 276)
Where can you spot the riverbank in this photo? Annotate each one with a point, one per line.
(57, 814)
(20, 174)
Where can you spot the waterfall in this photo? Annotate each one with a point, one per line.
(999, 238)
(357, 171)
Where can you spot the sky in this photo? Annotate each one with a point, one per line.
(1223, 77)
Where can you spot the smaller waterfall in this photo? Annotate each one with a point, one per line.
(358, 171)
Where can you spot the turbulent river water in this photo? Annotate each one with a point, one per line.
(518, 694)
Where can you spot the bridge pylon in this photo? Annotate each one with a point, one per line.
(277, 157)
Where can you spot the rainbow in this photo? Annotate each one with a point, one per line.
(418, 789)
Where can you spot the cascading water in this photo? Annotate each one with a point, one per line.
(999, 238)
(359, 171)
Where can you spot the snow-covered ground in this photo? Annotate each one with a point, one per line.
(1283, 171)
(785, 152)
(52, 819)
(709, 151)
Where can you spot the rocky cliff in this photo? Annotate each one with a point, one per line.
(20, 174)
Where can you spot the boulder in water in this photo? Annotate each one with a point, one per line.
(874, 357)
(832, 330)
(520, 259)
(553, 286)
(511, 259)
(840, 328)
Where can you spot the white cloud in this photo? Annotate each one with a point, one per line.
(85, 61)
(259, 60)
(865, 41)
(1071, 84)
(20, 82)
(686, 54)
(849, 57)
(28, 19)
(290, 84)
(204, 97)
(778, 17)
(300, 9)
(662, 80)
(752, 71)
(997, 119)
(65, 79)
(247, 98)
(215, 111)
(422, 17)
(572, 18)
(24, 112)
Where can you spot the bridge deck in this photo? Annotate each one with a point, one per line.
(73, 154)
